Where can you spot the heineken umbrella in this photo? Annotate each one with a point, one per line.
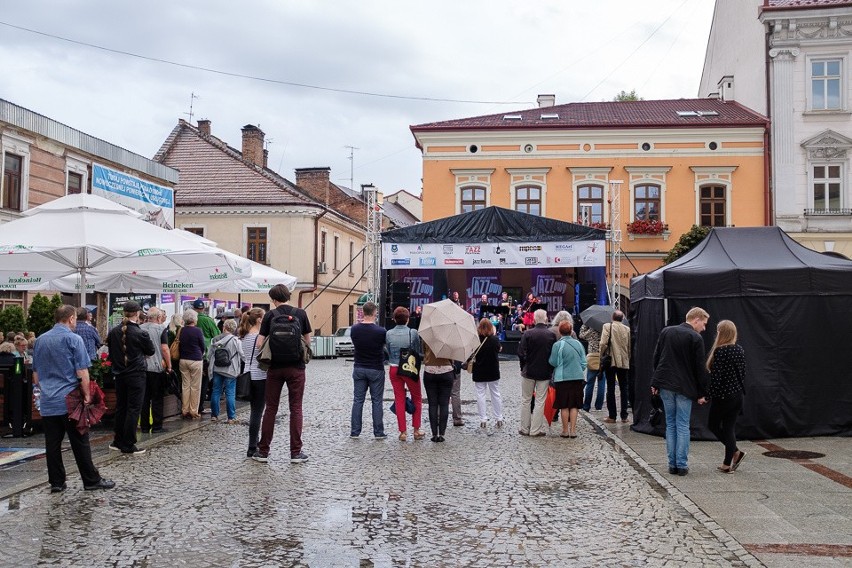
(261, 280)
(91, 239)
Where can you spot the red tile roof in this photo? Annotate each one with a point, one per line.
(626, 114)
(787, 4)
(213, 173)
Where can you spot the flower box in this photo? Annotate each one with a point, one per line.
(647, 227)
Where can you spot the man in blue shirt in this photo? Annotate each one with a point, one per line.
(87, 331)
(368, 372)
(59, 360)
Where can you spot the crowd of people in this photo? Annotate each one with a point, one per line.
(269, 350)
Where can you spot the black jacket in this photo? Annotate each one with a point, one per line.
(139, 346)
(679, 362)
(534, 353)
(487, 365)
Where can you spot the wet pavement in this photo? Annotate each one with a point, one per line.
(485, 497)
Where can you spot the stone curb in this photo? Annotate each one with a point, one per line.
(680, 498)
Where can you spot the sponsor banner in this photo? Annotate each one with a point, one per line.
(167, 298)
(494, 256)
(422, 290)
(479, 283)
(116, 305)
(154, 201)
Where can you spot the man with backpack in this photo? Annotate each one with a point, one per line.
(287, 332)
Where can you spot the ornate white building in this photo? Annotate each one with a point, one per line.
(791, 59)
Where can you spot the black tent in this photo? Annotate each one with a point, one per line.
(493, 225)
(793, 310)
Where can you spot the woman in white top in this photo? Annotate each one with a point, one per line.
(249, 328)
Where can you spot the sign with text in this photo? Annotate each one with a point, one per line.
(415, 256)
(154, 201)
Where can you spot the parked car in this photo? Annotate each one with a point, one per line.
(343, 342)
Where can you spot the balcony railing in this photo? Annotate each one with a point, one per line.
(828, 212)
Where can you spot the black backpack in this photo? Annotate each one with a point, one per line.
(221, 357)
(285, 338)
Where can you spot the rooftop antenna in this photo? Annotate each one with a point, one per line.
(352, 166)
(190, 114)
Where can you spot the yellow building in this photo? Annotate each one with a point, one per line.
(679, 163)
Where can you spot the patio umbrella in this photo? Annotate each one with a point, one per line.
(90, 238)
(86, 415)
(596, 316)
(262, 278)
(449, 331)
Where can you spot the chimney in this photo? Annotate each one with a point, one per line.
(726, 88)
(315, 181)
(204, 126)
(253, 144)
(545, 101)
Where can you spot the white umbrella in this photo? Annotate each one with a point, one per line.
(89, 238)
(261, 280)
(449, 331)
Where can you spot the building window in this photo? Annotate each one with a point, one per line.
(336, 251)
(472, 198)
(528, 199)
(646, 202)
(825, 84)
(712, 206)
(256, 244)
(194, 230)
(323, 238)
(13, 168)
(590, 204)
(826, 187)
(75, 183)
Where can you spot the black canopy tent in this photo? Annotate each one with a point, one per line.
(493, 225)
(793, 310)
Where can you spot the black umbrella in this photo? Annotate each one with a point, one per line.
(596, 316)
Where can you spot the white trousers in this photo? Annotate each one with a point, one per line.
(533, 423)
(496, 400)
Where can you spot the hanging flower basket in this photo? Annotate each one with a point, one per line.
(594, 225)
(645, 227)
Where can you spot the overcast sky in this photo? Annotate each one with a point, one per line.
(488, 51)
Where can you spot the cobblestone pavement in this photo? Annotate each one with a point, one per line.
(483, 498)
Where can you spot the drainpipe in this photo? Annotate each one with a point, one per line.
(769, 213)
(313, 289)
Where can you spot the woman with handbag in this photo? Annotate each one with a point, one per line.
(190, 342)
(594, 374)
(727, 366)
(438, 378)
(486, 374)
(402, 340)
(249, 328)
(568, 360)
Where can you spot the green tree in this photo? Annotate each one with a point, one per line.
(686, 243)
(625, 96)
(40, 314)
(12, 319)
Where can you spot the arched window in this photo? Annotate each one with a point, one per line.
(472, 198)
(590, 204)
(528, 199)
(646, 202)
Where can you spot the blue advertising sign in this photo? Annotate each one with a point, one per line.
(154, 201)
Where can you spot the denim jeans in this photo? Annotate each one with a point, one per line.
(593, 377)
(374, 380)
(678, 409)
(230, 385)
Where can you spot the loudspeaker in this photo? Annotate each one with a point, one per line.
(587, 295)
(399, 294)
(513, 335)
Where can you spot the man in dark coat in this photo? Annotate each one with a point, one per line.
(533, 354)
(680, 378)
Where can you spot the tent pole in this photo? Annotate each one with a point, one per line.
(82, 259)
(665, 311)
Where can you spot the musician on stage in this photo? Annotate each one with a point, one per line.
(456, 300)
(484, 308)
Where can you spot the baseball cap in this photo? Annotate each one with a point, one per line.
(199, 303)
(131, 307)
